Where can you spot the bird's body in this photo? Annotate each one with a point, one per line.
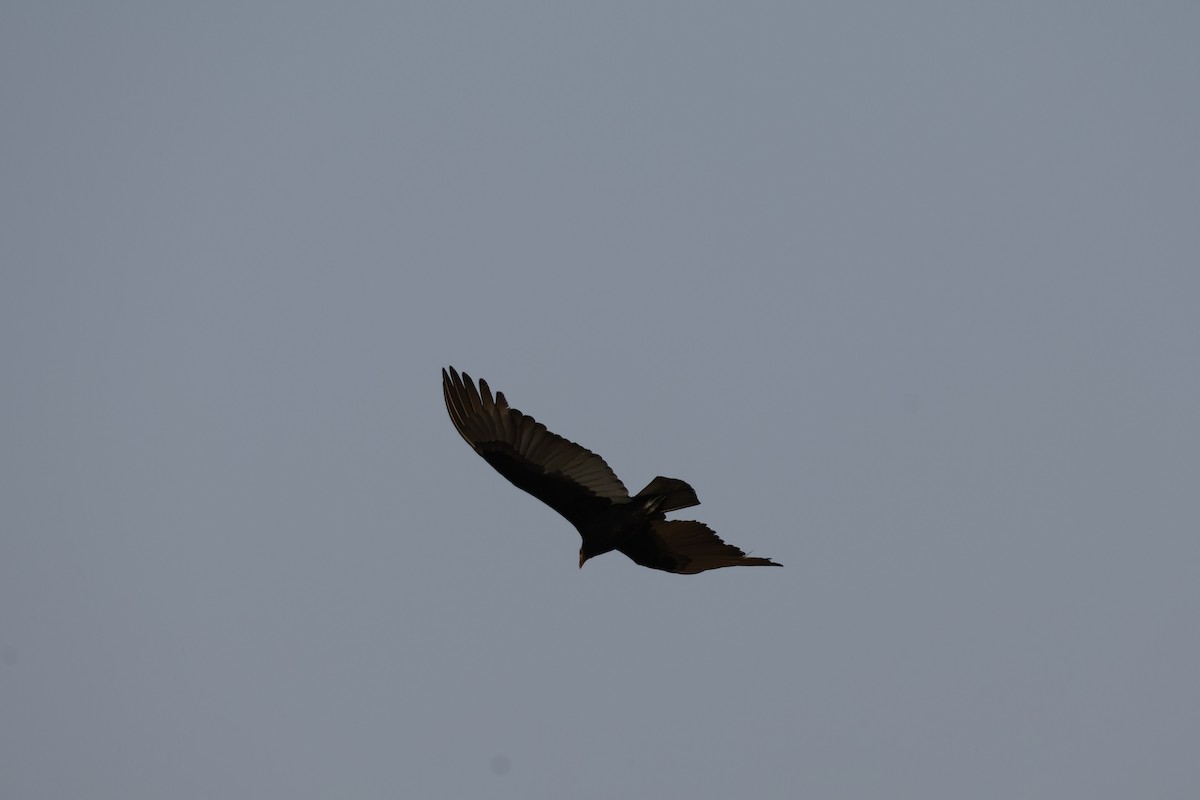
(580, 486)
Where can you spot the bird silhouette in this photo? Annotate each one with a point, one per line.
(578, 484)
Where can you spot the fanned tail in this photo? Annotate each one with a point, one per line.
(676, 494)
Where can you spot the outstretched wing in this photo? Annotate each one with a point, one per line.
(572, 480)
(686, 547)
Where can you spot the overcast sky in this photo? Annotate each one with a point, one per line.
(909, 293)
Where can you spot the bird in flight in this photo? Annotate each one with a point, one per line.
(577, 483)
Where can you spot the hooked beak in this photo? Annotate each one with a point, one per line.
(582, 558)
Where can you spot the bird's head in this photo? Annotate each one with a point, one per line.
(587, 552)
(593, 546)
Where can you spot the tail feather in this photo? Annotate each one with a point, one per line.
(676, 494)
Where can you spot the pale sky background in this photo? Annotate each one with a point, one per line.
(909, 292)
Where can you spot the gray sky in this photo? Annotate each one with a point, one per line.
(908, 292)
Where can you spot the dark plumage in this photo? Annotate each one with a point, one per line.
(577, 483)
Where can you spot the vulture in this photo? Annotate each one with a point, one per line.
(578, 484)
